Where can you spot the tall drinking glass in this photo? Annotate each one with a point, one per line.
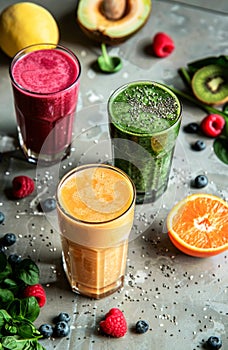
(144, 123)
(45, 82)
(95, 205)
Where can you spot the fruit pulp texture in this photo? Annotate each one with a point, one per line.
(95, 223)
(144, 124)
(45, 97)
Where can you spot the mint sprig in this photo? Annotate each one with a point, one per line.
(17, 314)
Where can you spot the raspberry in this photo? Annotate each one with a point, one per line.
(162, 45)
(212, 125)
(22, 186)
(36, 291)
(114, 324)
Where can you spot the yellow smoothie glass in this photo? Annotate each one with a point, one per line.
(95, 205)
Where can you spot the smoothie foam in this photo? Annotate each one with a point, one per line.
(45, 71)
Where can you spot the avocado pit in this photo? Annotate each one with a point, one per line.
(113, 9)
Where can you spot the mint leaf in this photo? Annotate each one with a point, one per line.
(28, 272)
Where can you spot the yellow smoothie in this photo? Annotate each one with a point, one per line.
(96, 213)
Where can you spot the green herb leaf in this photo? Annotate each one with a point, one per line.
(220, 146)
(6, 296)
(14, 343)
(10, 329)
(4, 317)
(28, 272)
(5, 268)
(12, 285)
(221, 60)
(30, 308)
(107, 63)
(225, 108)
(27, 330)
(14, 309)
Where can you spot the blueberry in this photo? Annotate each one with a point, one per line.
(214, 343)
(46, 330)
(199, 145)
(142, 327)
(192, 128)
(63, 316)
(62, 329)
(48, 205)
(8, 239)
(200, 181)
(14, 259)
(2, 217)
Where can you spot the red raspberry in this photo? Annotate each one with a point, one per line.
(162, 45)
(22, 186)
(212, 125)
(36, 291)
(114, 324)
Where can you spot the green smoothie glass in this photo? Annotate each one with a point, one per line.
(144, 121)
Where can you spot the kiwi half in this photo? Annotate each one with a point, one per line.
(210, 84)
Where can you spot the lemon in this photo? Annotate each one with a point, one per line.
(24, 24)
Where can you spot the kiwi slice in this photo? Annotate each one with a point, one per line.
(210, 84)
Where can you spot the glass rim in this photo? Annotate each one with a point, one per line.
(17, 56)
(94, 165)
(151, 82)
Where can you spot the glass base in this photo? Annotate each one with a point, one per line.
(95, 293)
(33, 157)
(150, 197)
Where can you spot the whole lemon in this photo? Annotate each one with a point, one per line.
(24, 24)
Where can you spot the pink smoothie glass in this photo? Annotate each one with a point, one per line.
(45, 82)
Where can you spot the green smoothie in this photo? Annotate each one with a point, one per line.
(145, 119)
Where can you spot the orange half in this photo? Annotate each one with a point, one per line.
(198, 225)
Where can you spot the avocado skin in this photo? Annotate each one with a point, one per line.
(100, 35)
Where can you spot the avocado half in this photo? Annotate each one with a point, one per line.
(101, 29)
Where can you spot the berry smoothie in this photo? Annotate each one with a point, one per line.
(144, 124)
(45, 85)
(96, 212)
